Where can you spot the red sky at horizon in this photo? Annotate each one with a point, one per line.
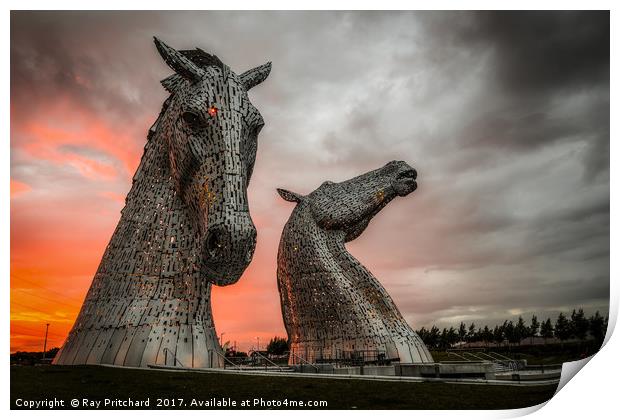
(55, 251)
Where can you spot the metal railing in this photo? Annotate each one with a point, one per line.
(500, 361)
(226, 359)
(267, 359)
(475, 356)
(305, 361)
(484, 356)
(457, 354)
(500, 356)
(491, 358)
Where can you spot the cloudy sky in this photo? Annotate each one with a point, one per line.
(504, 115)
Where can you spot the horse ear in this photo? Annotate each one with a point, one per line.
(289, 196)
(178, 62)
(255, 76)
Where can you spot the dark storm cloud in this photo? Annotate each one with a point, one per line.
(77, 55)
(534, 51)
(538, 60)
(505, 115)
(539, 51)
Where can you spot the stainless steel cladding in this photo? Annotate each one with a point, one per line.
(185, 226)
(333, 307)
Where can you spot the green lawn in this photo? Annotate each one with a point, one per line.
(98, 383)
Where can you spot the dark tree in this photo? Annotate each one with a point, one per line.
(453, 337)
(462, 332)
(521, 330)
(498, 334)
(277, 346)
(234, 353)
(33, 356)
(471, 333)
(448, 337)
(534, 326)
(510, 332)
(580, 324)
(487, 334)
(423, 333)
(562, 327)
(443, 339)
(478, 335)
(546, 329)
(433, 337)
(598, 328)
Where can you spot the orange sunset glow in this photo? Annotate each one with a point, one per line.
(57, 239)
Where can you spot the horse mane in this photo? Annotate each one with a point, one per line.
(202, 58)
(198, 57)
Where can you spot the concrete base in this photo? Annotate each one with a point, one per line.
(315, 368)
(529, 376)
(446, 370)
(379, 370)
(473, 370)
(348, 370)
(418, 370)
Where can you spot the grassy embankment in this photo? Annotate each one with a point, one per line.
(98, 383)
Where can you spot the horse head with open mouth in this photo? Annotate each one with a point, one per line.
(333, 307)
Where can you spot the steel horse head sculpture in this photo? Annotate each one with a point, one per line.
(333, 307)
(185, 226)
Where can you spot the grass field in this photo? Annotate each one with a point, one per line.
(98, 383)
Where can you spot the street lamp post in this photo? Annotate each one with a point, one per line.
(47, 326)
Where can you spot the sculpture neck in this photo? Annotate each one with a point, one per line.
(324, 248)
(306, 248)
(153, 240)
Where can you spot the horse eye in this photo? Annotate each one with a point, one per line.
(191, 118)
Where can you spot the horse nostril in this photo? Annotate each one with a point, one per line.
(213, 244)
(408, 174)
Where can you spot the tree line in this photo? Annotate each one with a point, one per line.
(576, 326)
(31, 357)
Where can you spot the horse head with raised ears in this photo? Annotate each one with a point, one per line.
(185, 225)
(211, 129)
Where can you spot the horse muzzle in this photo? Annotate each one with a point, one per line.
(404, 182)
(228, 249)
